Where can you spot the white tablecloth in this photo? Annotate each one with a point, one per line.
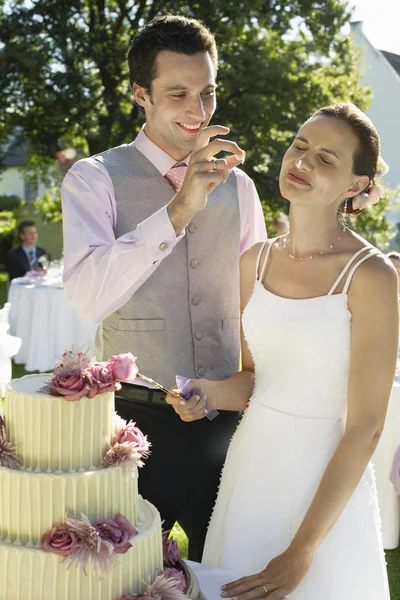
(42, 316)
(211, 580)
(389, 502)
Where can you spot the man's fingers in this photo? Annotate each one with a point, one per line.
(234, 161)
(206, 167)
(174, 398)
(217, 146)
(207, 133)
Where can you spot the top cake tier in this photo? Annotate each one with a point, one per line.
(52, 434)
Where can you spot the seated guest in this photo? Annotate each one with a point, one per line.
(19, 261)
(395, 258)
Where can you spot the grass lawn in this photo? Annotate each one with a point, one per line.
(392, 556)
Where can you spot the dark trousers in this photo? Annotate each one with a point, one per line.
(181, 476)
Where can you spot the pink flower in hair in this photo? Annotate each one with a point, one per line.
(365, 200)
(376, 193)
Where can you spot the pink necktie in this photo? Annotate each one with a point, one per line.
(176, 175)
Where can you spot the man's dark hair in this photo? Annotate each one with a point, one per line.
(23, 224)
(170, 32)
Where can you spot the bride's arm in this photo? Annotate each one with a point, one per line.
(232, 393)
(373, 303)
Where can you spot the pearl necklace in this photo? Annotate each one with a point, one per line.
(287, 240)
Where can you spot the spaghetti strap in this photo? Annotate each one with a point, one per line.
(348, 265)
(259, 256)
(374, 252)
(265, 260)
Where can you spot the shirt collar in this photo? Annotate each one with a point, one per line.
(162, 161)
(28, 250)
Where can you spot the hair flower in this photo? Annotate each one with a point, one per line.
(367, 199)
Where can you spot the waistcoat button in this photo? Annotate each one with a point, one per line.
(194, 263)
(201, 371)
(196, 300)
(192, 227)
(198, 335)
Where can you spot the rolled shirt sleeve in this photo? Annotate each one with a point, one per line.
(102, 272)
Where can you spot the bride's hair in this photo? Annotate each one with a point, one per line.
(367, 159)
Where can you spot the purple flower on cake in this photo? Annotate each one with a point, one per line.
(130, 433)
(124, 367)
(170, 550)
(141, 596)
(122, 455)
(118, 531)
(162, 588)
(101, 378)
(73, 361)
(90, 545)
(60, 540)
(179, 577)
(165, 588)
(71, 384)
(8, 456)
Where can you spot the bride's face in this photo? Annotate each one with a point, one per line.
(317, 169)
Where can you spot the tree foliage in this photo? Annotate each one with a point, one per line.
(64, 79)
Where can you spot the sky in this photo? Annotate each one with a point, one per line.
(381, 20)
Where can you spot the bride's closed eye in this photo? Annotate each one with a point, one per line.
(325, 161)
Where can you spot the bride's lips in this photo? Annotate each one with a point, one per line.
(296, 178)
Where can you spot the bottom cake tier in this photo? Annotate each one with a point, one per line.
(32, 574)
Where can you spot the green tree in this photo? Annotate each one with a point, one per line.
(64, 80)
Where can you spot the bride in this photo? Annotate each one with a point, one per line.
(297, 510)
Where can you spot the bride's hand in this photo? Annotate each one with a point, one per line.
(194, 408)
(280, 578)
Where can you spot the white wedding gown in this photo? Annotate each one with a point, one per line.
(288, 434)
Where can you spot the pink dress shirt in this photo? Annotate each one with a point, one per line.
(101, 272)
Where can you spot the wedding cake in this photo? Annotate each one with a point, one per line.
(72, 524)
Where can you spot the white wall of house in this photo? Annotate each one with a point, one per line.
(13, 181)
(384, 111)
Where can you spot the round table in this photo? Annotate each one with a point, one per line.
(42, 316)
(389, 502)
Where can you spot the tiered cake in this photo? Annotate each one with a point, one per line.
(61, 446)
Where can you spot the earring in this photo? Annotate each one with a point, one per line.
(345, 205)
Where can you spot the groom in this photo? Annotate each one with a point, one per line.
(153, 232)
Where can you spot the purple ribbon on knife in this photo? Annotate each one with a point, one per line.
(184, 387)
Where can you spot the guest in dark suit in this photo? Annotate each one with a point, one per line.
(19, 261)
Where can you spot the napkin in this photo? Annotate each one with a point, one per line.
(183, 385)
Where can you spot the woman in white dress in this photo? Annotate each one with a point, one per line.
(297, 510)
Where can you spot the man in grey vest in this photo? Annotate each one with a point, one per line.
(153, 232)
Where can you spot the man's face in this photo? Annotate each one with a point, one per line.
(181, 102)
(29, 236)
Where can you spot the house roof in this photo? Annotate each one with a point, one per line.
(394, 60)
(14, 157)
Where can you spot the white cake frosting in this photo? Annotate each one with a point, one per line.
(62, 445)
(55, 435)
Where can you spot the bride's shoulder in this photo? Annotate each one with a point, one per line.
(251, 254)
(374, 279)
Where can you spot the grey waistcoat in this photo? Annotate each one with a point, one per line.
(184, 320)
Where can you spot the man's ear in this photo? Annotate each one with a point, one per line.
(358, 186)
(140, 95)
